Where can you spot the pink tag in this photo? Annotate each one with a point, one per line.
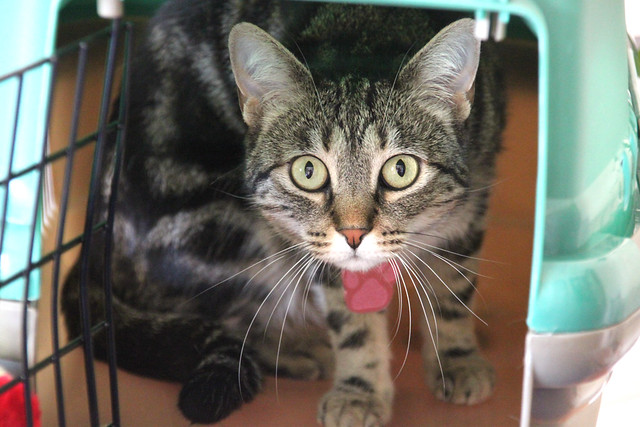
(369, 291)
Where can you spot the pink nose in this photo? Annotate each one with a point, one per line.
(354, 235)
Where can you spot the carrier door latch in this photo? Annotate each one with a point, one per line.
(485, 27)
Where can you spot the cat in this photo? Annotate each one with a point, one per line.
(257, 178)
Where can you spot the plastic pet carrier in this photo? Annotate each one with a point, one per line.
(584, 292)
(30, 206)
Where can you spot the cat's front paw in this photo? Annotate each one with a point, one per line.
(463, 380)
(348, 409)
(217, 389)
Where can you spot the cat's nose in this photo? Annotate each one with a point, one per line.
(354, 235)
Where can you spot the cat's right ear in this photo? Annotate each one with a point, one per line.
(445, 69)
(267, 74)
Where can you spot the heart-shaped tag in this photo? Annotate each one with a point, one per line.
(369, 291)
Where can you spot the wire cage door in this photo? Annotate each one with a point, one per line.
(32, 206)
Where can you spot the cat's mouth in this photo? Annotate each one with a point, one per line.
(368, 275)
(356, 262)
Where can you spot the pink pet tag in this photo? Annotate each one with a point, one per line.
(369, 291)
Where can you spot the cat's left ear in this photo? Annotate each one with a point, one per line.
(267, 74)
(445, 69)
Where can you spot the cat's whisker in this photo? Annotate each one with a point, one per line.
(398, 275)
(433, 336)
(230, 175)
(448, 250)
(290, 253)
(415, 272)
(448, 288)
(455, 265)
(257, 273)
(280, 254)
(255, 316)
(406, 292)
(422, 278)
(301, 274)
(307, 289)
(422, 233)
(299, 270)
(487, 187)
(226, 193)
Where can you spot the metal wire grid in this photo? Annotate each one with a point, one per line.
(118, 39)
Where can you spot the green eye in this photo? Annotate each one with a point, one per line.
(309, 173)
(400, 171)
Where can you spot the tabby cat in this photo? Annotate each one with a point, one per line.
(270, 238)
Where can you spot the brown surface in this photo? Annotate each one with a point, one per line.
(502, 303)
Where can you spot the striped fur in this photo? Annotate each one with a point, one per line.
(225, 268)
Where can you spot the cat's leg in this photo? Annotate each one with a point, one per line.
(455, 370)
(362, 393)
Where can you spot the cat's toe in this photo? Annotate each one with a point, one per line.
(344, 409)
(216, 390)
(463, 380)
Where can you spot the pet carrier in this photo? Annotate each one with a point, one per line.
(584, 300)
(27, 85)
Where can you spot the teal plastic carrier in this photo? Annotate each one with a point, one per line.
(22, 45)
(584, 304)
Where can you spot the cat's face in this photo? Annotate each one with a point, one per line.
(353, 169)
